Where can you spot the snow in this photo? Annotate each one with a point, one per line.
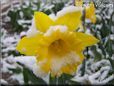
(68, 9)
(27, 2)
(48, 7)
(46, 78)
(91, 53)
(7, 19)
(95, 73)
(3, 82)
(21, 22)
(112, 36)
(8, 42)
(28, 61)
(4, 1)
(23, 33)
(108, 79)
(88, 31)
(57, 63)
(112, 57)
(31, 63)
(83, 79)
(100, 63)
(38, 71)
(53, 16)
(18, 77)
(32, 31)
(61, 28)
(10, 48)
(21, 14)
(6, 65)
(95, 77)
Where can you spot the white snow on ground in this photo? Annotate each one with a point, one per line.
(112, 36)
(24, 22)
(112, 57)
(97, 76)
(3, 81)
(6, 65)
(9, 43)
(18, 77)
(83, 79)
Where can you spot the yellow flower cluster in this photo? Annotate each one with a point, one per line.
(57, 46)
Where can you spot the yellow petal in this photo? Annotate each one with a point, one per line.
(90, 13)
(78, 2)
(69, 69)
(71, 20)
(42, 21)
(86, 40)
(45, 66)
(29, 45)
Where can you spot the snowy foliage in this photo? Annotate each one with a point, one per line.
(98, 66)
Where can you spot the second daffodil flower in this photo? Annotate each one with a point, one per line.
(89, 10)
(57, 46)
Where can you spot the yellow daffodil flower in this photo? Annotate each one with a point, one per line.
(58, 50)
(89, 10)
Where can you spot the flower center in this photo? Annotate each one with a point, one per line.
(58, 47)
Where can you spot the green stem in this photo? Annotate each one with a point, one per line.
(83, 19)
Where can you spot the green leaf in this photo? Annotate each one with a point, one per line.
(82, 69)
(52, 80)
(64, 79)
(112, 63)
(105, 30)
(108, 47)
(30, 77)
(57, 7)
(17, 70)
(97, 55)
(25, 76)
(73, 83)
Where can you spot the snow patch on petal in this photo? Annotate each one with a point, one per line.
(32, 31)
(68, 9)
(62, 29)
(68, 59)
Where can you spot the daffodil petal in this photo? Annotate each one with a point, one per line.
(72, 20)
(42, 21)
(29, 45)
(90, 12)
(45, 65)
(86, 40)
(78, 2)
